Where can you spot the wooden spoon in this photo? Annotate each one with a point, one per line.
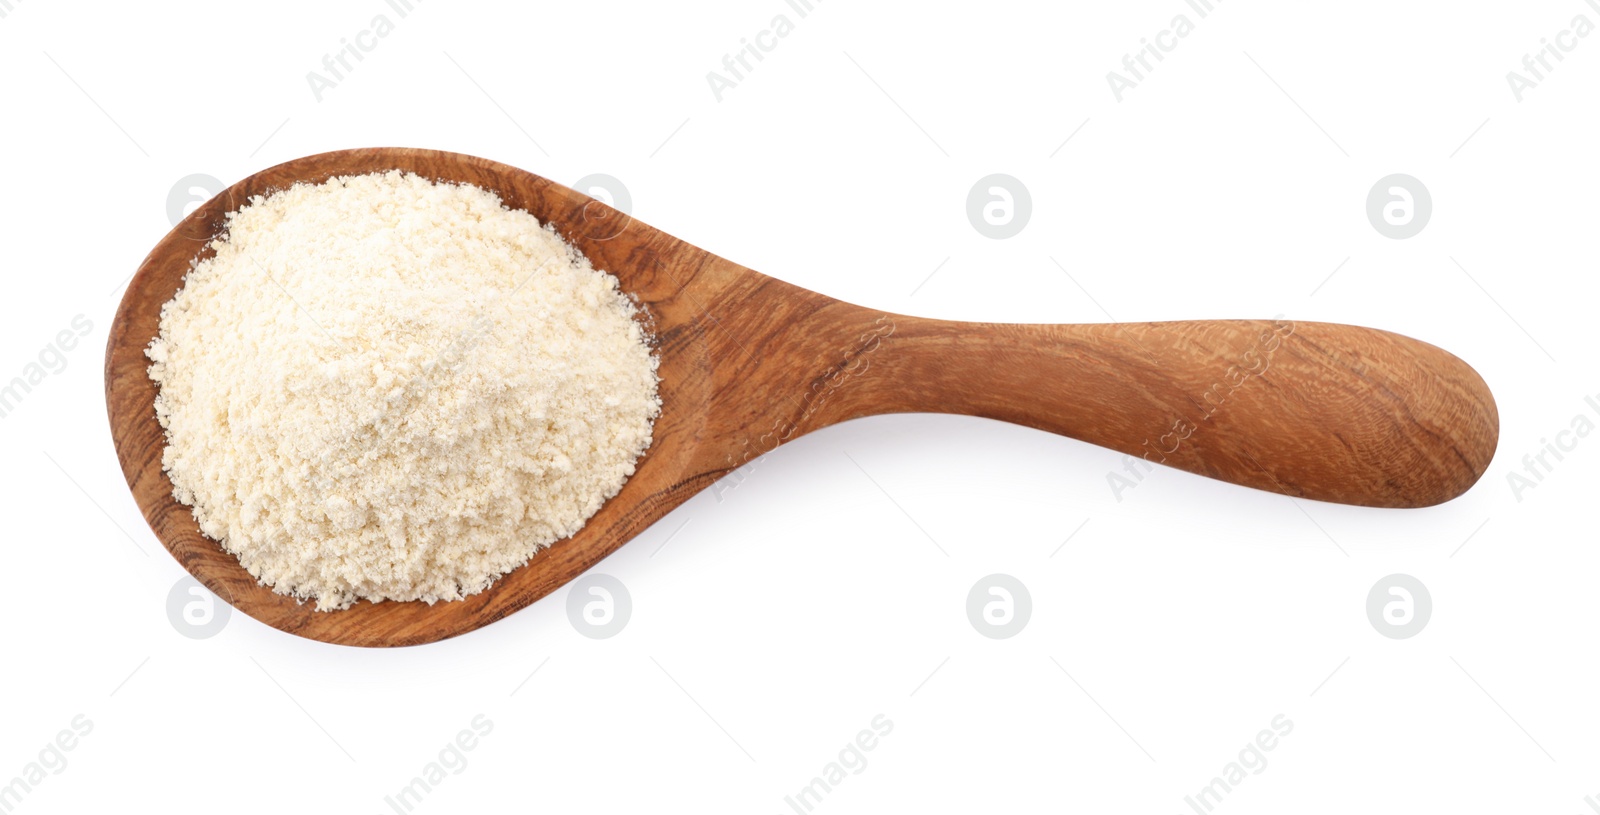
(1311, 410)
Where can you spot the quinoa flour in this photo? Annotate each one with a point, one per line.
(386, 388)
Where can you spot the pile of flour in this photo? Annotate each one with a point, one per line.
(386, 388)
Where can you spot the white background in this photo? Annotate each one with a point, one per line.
(1176, 622)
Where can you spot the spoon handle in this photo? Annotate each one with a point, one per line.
(1315, 410)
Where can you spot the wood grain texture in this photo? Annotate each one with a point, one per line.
(1315, 410)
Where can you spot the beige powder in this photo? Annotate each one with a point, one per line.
(386, 388)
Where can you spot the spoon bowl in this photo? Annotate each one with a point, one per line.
(747, 362)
